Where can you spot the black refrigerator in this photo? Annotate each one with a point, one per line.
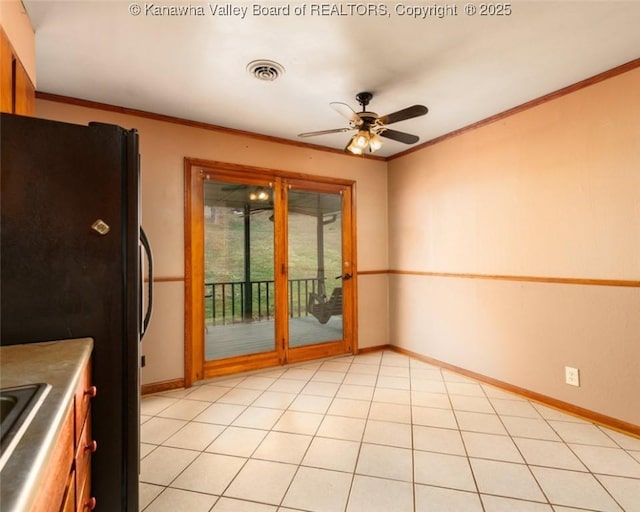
(71, 263)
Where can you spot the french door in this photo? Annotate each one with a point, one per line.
(270, 268)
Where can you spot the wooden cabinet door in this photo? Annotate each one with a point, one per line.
(25, 93)
(6, 74)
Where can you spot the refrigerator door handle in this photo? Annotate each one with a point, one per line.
(147, 249)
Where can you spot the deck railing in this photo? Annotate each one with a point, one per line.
(233, 302)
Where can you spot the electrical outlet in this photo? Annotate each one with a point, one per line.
(572, 376)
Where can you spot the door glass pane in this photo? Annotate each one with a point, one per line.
(315, 261)
(239, 269)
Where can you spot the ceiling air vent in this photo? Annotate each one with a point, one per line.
(266, 70)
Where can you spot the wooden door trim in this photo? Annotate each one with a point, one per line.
(196, 170)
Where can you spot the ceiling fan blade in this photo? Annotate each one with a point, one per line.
(407, 138)
(325, 132)
(405, 113)
(346, 111)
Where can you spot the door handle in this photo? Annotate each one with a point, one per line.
(147, 248)
(345, 277)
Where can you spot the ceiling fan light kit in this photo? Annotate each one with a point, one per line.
(370, 126)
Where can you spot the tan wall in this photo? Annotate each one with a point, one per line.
(16, 24)
(550, 192)
(163, 147)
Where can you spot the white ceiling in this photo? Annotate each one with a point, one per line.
(464, 68)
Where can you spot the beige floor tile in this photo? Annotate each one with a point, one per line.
(164, 464)
(438, 440)
(471, 403)
(553, 454)
(262, 481)
(367, 369)
(436, 499)
(355, 392)
(258, 417)
(515, 408)
(256, 382)
(318, 490)
(626, 491)
(335, 366)
(234, 505)
(157, 430)
(146, 449)
(240, 396)
(426, 373)
(394, 371)
(530, 428)
(393, 396)
(429, 399)
(237, 441)
(370, 494)
(194, 436)
(443, 470)
(148, 493)
(327, 389)
(385, 432)
(360, 379)
(288, 385)
(327, 376)
(428, 385)
(573, 489)
(554, 414)
(274, 400)
(390, 358)
(348, 407)
(311, 403)
(152, 405)
(607, 461)
(464, 388)
(383, 411)
(393, 382)
(385, 462)
(209, 393)
(491, 446)
(499, 504)
(480, 422)
(624, 441)
(335, 454)
(177, 500)
(506, 479)
(296, 422)
(209, 473)
(299, 374)
(220, 414)
(341, 427)
(283, 447)
(434, 417)
(581, 433)
(184, 409)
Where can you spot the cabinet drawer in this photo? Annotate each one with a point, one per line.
(83, 395)
(85, 501)
(69, 502)
(53, 489)
(86, 446)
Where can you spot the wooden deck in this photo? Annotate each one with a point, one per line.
(250, 338)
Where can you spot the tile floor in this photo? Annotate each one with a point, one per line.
(378, 432)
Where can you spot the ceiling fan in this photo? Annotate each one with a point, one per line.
(370, 126)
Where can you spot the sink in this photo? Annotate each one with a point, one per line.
(18, 406)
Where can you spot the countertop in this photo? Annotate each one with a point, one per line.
(60, 364)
